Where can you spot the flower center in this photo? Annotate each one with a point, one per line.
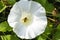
(26, 19)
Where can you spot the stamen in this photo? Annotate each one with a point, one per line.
(25, 19)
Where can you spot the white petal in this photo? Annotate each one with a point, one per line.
(40, 12)
(12, 19)
(20, 30)
(16, 9)
(30, 33)
(35, 6)
(24, 5)
(14, 15)
(25, 0)
(37, 27)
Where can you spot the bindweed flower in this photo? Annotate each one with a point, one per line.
(28, 19)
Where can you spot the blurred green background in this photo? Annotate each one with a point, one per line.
(52, 31)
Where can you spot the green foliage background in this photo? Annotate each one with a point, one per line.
(52, 31)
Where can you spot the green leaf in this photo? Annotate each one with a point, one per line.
(58, 16)
(58, 27)
(9, 37)
(41, 37)
(8, 2)
(57, 0)
(41, 1)
(57, 35)
(48, 28)
(11, 2)
(5, 27)
(2, 7)
(48, 6)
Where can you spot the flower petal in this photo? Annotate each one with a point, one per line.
(35, 6)
(14, 15)
(40, 12)
(12, 19)
(24, 5)
(37, 27)
(20, 30)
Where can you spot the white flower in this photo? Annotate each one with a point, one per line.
(28, 19)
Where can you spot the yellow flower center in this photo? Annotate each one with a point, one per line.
(26, 19)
